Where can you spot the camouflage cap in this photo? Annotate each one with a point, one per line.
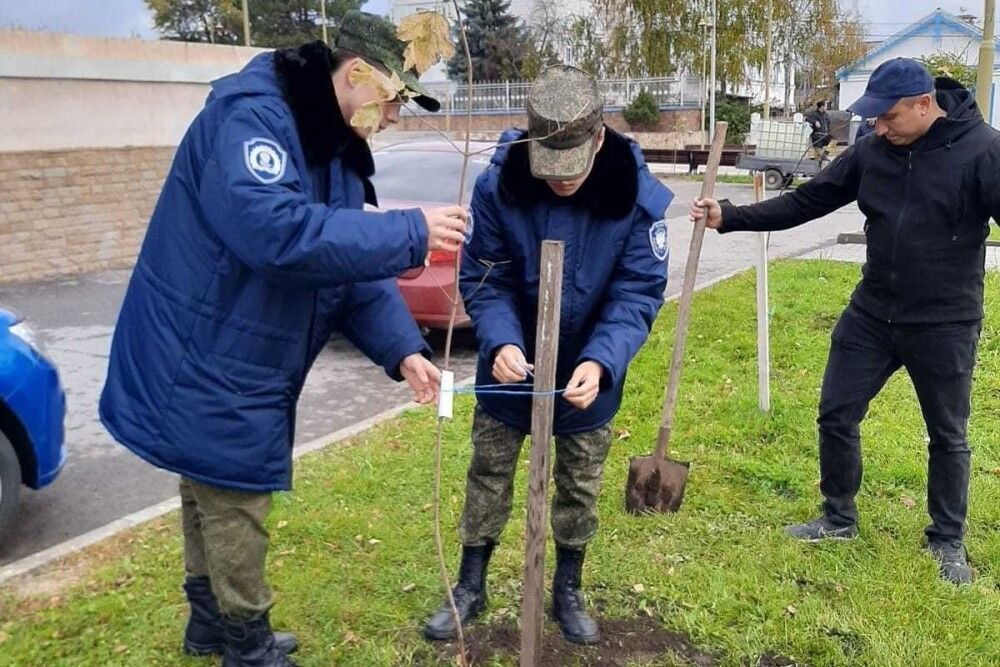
(374, 38)
(565, 111)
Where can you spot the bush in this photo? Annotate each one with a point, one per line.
(737, 115)
(643, 112)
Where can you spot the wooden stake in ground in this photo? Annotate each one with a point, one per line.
(546, 351)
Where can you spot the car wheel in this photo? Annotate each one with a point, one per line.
(10, 483)
(773, 178)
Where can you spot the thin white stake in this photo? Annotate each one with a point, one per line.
(763, 317)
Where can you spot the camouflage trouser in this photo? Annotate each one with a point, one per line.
(225, 540)
(489, 490)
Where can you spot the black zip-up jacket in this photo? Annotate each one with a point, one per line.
(927, 208)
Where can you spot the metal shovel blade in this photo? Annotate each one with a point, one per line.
(655, 485)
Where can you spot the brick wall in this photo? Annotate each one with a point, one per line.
(67, 212)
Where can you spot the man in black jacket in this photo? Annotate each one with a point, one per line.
(820, 137)
(928, 181)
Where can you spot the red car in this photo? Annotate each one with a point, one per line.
(427, 174)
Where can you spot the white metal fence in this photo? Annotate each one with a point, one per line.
(511, 96)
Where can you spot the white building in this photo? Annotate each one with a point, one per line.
(936, 33)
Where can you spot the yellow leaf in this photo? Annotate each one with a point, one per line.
(281, 524)
(427, 40)
(638, 588)
(409, 587)
(4, 637)
(370, 116)
(386, 88)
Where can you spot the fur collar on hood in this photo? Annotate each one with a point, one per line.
(304, 74)
(609, 192)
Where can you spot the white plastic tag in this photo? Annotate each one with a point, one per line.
(446, 397)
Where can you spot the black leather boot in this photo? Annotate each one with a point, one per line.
(204, 634)
(469, 594)
(251, 644)
(568, 607)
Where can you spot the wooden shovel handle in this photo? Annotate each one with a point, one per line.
(687, 294)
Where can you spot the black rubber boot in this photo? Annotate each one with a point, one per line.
(251, 644)
(568, 607)
(205, 634)
(469, 594)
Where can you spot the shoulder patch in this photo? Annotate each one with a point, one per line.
(658, 239)
(265, 159)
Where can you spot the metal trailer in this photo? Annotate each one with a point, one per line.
(779, 172)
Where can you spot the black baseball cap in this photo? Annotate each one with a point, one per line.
(889, 83)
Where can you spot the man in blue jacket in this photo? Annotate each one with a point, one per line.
(258, 250)
(579, 182)
(928, 184)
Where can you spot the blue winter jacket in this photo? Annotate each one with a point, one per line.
(614, 272)
(256, 252)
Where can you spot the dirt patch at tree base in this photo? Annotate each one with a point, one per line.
(623, 643)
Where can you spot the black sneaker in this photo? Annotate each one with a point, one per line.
(821, 529)
(953, 560)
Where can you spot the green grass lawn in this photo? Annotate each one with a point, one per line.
(353, 563)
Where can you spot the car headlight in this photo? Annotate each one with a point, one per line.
(23, 331)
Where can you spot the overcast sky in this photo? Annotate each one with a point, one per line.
(127, 18)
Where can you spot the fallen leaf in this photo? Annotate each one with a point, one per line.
(409, 587)
(908, 502)
(426, 507)
(374, 541)
(638, 588)
(4, 637)
(839, 588)
(791, 610)
(351, 638)
(427, 40)
(995, 471)
(624, 434)
(281, 524)
(121, 648)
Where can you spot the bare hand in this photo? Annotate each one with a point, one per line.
(445, 227)
(423, 377)
(509, 365)
(700, 206)
(583, 386)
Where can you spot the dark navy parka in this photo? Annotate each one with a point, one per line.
(614, 272)
(256, 252)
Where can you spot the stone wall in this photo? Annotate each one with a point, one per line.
(67, 212)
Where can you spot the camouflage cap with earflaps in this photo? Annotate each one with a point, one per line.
(374, 38)
(565, 112)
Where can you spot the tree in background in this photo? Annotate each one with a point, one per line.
(213, 21)
(498, 42)
(273, 23)
(951, 66)
(667, 37)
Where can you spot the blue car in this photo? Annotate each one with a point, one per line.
(32, 409)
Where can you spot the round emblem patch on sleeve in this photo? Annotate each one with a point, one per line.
(658, 239)
(265, 159)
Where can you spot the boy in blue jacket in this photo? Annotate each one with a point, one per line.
(579, 182)
(259, 249)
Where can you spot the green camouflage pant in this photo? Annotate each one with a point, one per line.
(225, 539)
(489, 490)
